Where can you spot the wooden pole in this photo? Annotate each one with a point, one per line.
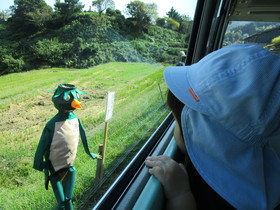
(99, 166)
(102, 151)
(102, 147)
(104, 143)
(160, 92)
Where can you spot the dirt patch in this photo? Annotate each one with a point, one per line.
(27, 113)
(39, 110)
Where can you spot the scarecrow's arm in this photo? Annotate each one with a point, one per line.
(84, 140)
(39, 163)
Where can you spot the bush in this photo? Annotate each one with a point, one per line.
(48, 52)
(163, 35)
(276, 40)
(9, 64)
(83, 44)
(152, 51)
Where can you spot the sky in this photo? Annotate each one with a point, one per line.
(184, 7)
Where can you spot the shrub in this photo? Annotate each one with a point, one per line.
(276, 40)
(163, 35)
(9, 64)
(152, 51)
(48, 52)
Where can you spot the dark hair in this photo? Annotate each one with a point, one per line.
(176, 106)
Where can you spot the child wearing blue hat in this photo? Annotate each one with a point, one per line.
(228, 122)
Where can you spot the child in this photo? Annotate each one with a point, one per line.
(230, 125)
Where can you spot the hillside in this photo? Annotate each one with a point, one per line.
(82, 45)
(37, 37)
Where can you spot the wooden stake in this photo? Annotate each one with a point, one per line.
(102, 147)
(99, 166)
(102, 151)
(104, 143)
(160, 92)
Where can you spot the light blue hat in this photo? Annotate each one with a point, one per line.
(231, 122)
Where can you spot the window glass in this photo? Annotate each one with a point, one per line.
(122, 47)
(266, 34)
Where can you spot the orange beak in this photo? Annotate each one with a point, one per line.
(76, 104)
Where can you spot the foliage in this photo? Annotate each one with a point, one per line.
(48, 52)
(68, 37)
(29, 16)
(183, 22)
(174, 14)
(141, 14)
(151, 51)
(10, 60)
(118, 21)
(4, 33)
(9, 64)
(151, 9)
(4, 15)
(79, 47)
(160, 44)
(66, 11)
(276, 40)
(168, 23)
(233, 37)
(103, 5)
(254, 27)
(165, 36)
(90, 18)
(240, 32)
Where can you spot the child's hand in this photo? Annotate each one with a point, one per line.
(174, 178)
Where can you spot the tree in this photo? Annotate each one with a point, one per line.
(102, 5)
(65, 11)
(151, 9)
(185, 24)
(29, 16)
(174, 15)
(161, 22)
(141, 14)
(117, 19)
(168, 23)
(183, 20)
(4, 14)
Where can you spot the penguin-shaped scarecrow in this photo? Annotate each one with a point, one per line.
(57, 147)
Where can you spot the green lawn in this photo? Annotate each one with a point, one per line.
(25, 107)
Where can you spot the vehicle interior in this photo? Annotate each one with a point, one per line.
(135, 188)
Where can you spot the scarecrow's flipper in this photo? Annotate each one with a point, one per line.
(94, 156)
(47, 179)
(39, 163)
(84, 140)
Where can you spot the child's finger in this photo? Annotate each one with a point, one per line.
(157, 172)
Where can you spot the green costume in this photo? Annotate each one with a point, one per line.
(58, 145)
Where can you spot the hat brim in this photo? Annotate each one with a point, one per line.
(176, 78)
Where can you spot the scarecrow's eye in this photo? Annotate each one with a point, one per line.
(67, 98)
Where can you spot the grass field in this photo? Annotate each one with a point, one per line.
(25, 107)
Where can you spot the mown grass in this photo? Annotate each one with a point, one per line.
(25, 107)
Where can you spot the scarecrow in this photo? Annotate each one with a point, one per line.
(57, 148)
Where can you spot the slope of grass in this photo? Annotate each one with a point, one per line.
(25, 107)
